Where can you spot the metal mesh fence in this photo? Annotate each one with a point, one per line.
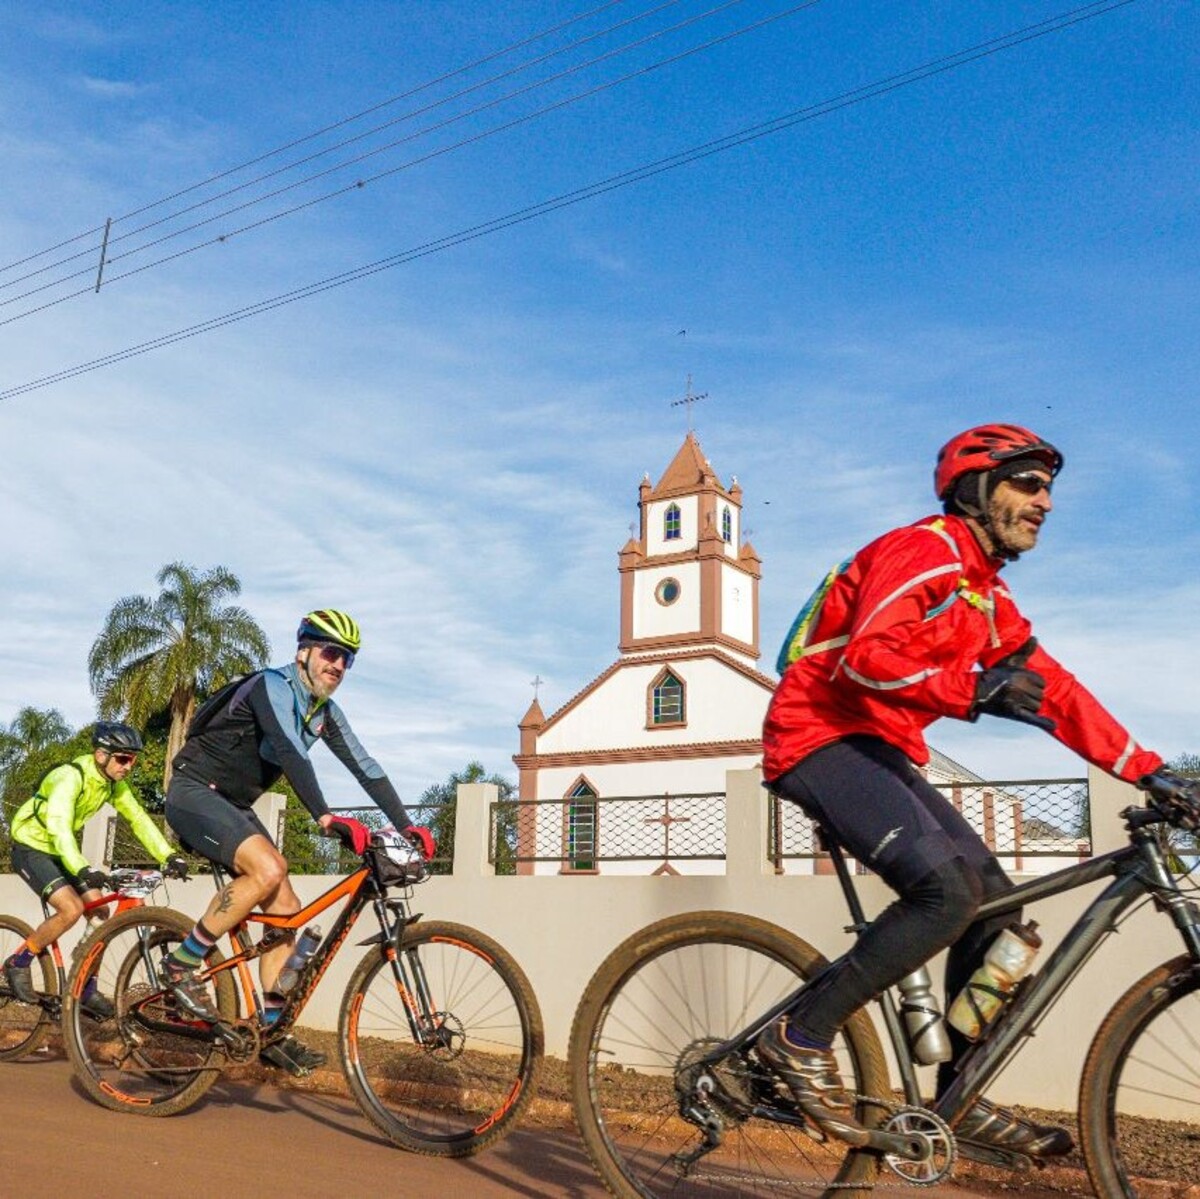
(298, 837)
(582, 832)
(1019, 820)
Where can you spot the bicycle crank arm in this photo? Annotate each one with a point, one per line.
(988, 1155)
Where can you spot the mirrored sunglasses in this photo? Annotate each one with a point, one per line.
(124, 759)
(336, 653)
(1030, 483)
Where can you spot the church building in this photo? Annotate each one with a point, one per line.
(684, 702)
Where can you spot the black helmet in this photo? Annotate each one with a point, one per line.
(112, 735)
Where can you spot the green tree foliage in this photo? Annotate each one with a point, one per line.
(437, 805)
(31, 730)
(158, 654)
(1188, 764)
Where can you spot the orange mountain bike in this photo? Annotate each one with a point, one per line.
(24, 1027)
(439, 1033)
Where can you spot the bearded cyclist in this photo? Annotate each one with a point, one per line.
(238, 745)
(45, 847)
(917, 625)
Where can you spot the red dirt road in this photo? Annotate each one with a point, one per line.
(257, 1140)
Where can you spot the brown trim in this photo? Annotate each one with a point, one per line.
(641, 753)
(651, 724)
(667, 641)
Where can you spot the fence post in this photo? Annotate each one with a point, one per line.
(746, 824)
(1106, 797)
(269, 808)
(472, 828)
(93, 842)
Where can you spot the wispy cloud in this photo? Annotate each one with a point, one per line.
(114, 89)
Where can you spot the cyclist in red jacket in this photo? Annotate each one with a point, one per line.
(916, 626)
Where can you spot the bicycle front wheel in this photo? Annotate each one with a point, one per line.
(24, 1027)
(1142, 1075)
(442, 1046)
(660, 1002)
(148, 1059)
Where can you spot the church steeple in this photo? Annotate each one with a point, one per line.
(686, 580)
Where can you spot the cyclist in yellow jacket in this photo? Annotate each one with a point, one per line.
(45, 846)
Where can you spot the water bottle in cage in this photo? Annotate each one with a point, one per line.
(305, 947)
(923, 1026)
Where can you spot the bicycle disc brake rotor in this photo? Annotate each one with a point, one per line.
(936, 1166)
(725, 1084)
(446, 1039)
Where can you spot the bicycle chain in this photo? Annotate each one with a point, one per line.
(901, 1183)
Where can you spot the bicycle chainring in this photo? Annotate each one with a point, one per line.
(943, 1152)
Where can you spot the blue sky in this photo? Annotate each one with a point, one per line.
(451, 449)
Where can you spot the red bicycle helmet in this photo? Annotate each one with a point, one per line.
(983, 448)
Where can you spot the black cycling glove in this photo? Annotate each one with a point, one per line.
(1011, 692)
(92, 880)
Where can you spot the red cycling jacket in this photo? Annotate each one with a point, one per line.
(896, 644)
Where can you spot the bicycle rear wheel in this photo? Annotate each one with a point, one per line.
(24, 1027)
(1143, 1073)
(661, 1000)
(148, 1059)
(465, 1080)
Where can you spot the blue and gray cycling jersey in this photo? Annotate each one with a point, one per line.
(265, 729)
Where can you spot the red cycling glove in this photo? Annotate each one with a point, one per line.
(352, 833)
(422, 838)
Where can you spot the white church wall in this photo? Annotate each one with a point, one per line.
(689, 526)
(721, 705)
(737, 606)
(654, 619)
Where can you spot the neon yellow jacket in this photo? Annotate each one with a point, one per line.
(67, 798)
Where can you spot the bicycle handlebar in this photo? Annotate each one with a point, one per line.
(1175, 798)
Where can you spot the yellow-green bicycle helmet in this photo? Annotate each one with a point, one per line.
(330, 625)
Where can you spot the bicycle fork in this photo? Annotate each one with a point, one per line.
(431, 1028)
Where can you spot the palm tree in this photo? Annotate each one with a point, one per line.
(32, 729)
(156, 655)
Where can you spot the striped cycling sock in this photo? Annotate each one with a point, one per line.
(190, 954)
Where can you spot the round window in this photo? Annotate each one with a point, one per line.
(667, 592)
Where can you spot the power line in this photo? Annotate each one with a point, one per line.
(359, 184)
(471, 66)
(751, 133)
(90, 251)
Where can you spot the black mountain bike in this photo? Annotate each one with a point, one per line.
(671, 1099)
(439, 1033)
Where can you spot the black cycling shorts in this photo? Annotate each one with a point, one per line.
(42, 871)
(207, 823)
(872, 799)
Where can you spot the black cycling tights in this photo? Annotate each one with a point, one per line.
(884, 814)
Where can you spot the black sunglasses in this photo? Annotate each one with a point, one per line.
(1029, 483)
(335, 653)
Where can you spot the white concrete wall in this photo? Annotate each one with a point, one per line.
(737, 605)
(561, 927)
(651, 618)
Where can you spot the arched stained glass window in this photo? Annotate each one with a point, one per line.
(667, 701)
(581, 827)
(672, 523)
(726, 524)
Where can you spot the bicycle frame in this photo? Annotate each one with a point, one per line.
(358, 889)
(53, 1003)
(1139, 871)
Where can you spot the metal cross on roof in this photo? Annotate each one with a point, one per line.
(535, 683)
(689, 400)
